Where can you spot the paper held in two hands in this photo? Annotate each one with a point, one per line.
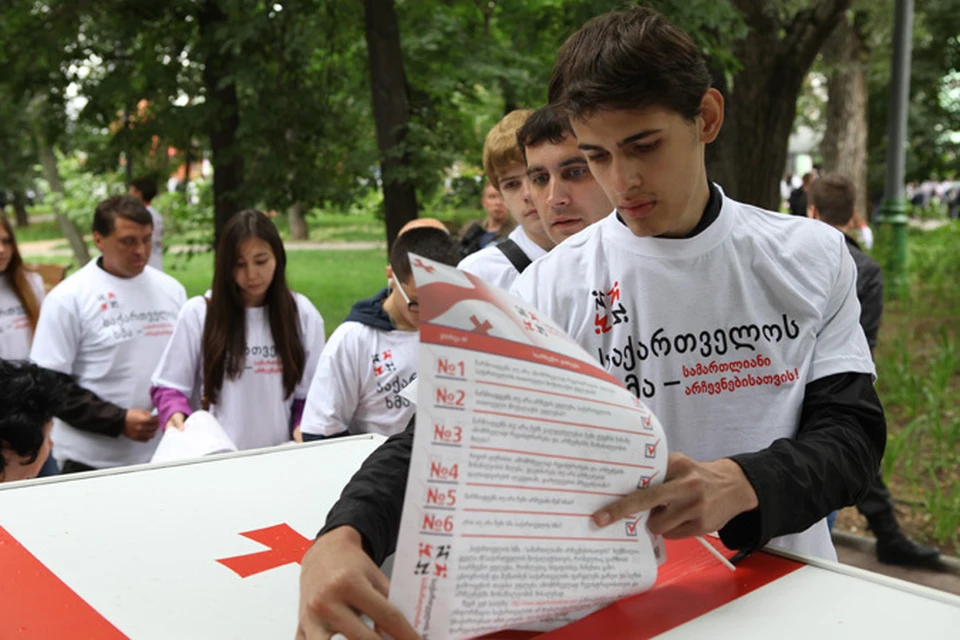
(520, 437)
(202, 435)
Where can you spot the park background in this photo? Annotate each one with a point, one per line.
(345, 118)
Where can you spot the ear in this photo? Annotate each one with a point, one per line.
(711, 115)
(812, 212)
(389, 273)
(98, 241)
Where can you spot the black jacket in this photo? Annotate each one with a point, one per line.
(869, 291)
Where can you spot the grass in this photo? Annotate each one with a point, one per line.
(332, 280)
(918, 366)
(46, 230)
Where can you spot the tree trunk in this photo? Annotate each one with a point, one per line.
(223, 119)
(390, 111)
(844, 145)
(298, 222)
(775, 57)
(68, 227)
(20, 209)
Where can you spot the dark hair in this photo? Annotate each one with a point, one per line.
(543, 125)
(29, 398)
(126, 207)
(834, 198)
(225, 329)
(629, 59)
(424, 241)
(146, 186)
(16, 275)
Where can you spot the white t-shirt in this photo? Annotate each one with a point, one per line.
(109, 333)
(251, 408)
(358, 382)
(492, 266)
(15, 331)
(156, 255)
(719, 333)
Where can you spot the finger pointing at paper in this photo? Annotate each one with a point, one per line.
(695, 498)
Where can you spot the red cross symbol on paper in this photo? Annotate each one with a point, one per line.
(378, 371)
(285, 546)
(479, 327)
(387, 355)
(419, 263)
(103, 306)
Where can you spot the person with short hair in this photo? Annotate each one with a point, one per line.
(374, 354)
(21, 294)
(145, 190)
(738, 327)
(246, 352)
(564, 192)
(495, 227)
(832, 199)
(29, 398)
(104, 329)
(798, 197)
(505, 167)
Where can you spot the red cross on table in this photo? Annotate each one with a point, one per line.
(478, 327)
(285, 546)
(419, 263)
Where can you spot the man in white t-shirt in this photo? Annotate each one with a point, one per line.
(505, 168)
(104, 328)
(738, 327)
(567, 197)
(145, 190)
(373, 355)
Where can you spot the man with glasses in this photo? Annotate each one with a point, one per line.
(372, 356)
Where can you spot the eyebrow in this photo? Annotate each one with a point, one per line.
(634, 138)
(565, 163)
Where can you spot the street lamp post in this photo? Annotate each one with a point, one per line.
(893, 209)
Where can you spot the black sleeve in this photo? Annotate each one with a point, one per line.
(829, 465)
(372, 501)
(86, 411)
(870, 293)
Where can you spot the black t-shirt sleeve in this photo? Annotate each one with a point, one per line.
(372, 501)
(85, 410)
(828, 465)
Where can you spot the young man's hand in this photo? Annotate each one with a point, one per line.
(140, 425)
(696, 498)
(338, 582)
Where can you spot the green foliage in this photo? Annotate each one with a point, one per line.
(918, 366)
(82, 191)
(934, 110)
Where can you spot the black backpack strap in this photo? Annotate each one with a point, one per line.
(515, 254)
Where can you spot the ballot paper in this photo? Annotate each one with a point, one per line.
(520, 437)
(201, 436)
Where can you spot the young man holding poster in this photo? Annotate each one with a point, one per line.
(765, 390)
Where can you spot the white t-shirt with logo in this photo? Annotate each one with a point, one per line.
(492, 266)
(251, 408)
(358, 382)
(15, 332)
(109, 333)
(719, 333)
(156, 254)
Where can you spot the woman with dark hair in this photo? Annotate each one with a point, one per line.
(247, 350)
(21, 292)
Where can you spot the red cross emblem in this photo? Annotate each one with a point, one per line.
(419, 263)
